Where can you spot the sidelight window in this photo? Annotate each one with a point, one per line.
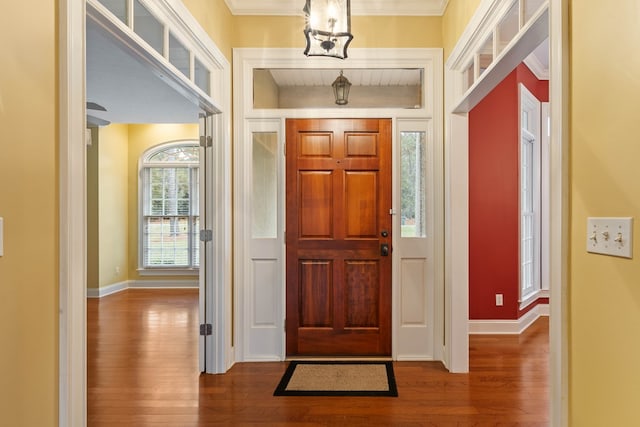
(413, 176)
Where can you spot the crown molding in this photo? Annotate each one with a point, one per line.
(537, 68)
(358, 7)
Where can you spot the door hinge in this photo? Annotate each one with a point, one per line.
(206, 141)
(206, 329)
(206, 235)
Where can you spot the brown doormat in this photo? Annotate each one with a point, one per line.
(338, 378)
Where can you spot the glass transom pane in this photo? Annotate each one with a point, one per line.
(202, 76)
(179, 55)
(190, 154)
(117, 7)
(148, 27)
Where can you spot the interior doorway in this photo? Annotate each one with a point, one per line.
(339, 234)
(204, 85)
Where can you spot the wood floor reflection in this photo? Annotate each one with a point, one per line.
(143, 371)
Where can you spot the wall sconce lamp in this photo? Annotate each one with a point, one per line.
(327, 27)
(341, 88)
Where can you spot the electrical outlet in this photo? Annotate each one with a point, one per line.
(499, 300)
(118, 270)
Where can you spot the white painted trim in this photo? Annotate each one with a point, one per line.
(493, 327)
(543, 309)
(245, 60)
(72, 365)
(545, 194)
(163, 284)
(358, 7)
(531, 133)
(477, 30)
(536, 67)
(144, 162)
(135, 45)
(456, 245)
(409, 338)
(530, 299)
(140, 284)
(559, 86)
(559, 218)
(72, 390)
(107, 290)
(529, 37)
(168, 271)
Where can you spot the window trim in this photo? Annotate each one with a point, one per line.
(531, 132)
(143, 163)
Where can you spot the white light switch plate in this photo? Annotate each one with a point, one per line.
(610, 236)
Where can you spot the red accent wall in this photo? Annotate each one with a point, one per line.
(493, 197)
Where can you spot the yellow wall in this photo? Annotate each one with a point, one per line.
(605, 181)
(215, 18)
(29, 206)
(396, 31)
(604, 292)
(93, 214)
(141, 138)
(112, 198)
(454, 21)
(113, 203)
(369, 31)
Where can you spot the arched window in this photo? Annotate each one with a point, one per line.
(169, 214)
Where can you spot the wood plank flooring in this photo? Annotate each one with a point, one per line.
(143, 371)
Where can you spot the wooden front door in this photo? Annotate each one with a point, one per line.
(338, 237)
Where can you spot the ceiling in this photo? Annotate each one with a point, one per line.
(127, 88)
(357, 77)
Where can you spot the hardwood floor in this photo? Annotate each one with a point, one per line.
(143, 371)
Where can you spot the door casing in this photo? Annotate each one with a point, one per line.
(259, 333)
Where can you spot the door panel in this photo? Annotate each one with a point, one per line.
(361, 204)
(338, 203)
(315, 196)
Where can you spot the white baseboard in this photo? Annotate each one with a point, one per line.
(107, 290)
(141, 284)
(162, 284)
(508, 326)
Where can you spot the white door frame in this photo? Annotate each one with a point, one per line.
(456, 187)
(260, 327)
(72, 393)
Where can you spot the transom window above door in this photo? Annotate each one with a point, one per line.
(302, 88)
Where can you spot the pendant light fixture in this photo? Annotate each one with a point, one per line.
(341, 88)
(327, 27)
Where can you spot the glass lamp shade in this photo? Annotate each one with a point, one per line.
(328, 27)
(341, 88)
